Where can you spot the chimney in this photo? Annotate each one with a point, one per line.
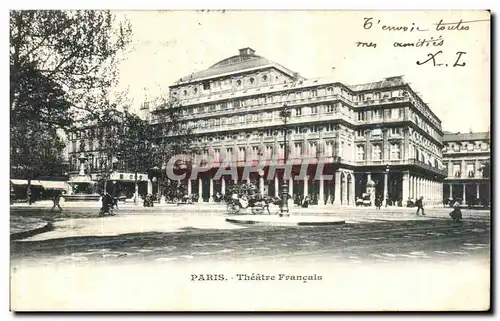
(247, 51)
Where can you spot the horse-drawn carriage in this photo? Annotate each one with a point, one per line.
(246, 196)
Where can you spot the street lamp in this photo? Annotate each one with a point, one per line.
(284, 115)
(386, 178)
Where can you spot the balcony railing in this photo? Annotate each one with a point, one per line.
(410, 161)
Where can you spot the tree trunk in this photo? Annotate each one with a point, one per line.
(136, 192)
(28, 191)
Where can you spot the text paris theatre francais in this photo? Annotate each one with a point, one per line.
(256, 277)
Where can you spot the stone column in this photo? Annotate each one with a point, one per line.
(464, 201)
(200, 190)
(150, 187)
(406, 187)
(353, 190)
(276, 186)
(463, 169)
(189, 187)
(451, 190)
(344, 189)
(450, 169)
(336, 192)
(290, 186)
(306, 186)
(223, 186)
(261, 185)
(321, 198)
(477, 190)
(211, 197)
(410, 188)
(386, 178)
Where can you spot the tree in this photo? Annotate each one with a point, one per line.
(143, 146)
(62, 65)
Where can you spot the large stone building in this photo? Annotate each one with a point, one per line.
(377, 134)
(467, 158)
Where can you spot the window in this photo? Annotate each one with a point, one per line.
(297, 130)
(206, 85)
(298, 111)
(395, 151)
(377, 114)
(241, 154)
(361, 116)
(329, 90)
(456, 148)
(238, 82)
(360, 133)
(314, 110)
(377, 132)
(313, 149)
(470, 170)
(395, 132)
(255, 151)
(216, 155)
(229, 153)
(376, 95)
(315, 129)
(298, 150)
(269, 132)
(185, 92)
(456, 170)
(195, 90)
(376, 152)
(252, 80)
(237, 104)
(330, 127)
(330, 108)
(314, 93)
(470, 146)
(329, 148)
(395, 113)
(264, 78)
(484, 146)
(360, 152)
(268, 152)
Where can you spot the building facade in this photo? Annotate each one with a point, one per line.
(91, 146)
(378, 134)
(466, 157)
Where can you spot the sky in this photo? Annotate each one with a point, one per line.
(168, 45)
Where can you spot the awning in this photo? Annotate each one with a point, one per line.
(24, 182)
(54, 185)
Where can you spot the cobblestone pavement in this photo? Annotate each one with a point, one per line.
(386, 240)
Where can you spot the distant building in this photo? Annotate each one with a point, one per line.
(467, 156)
(87, 144)
(379, 133)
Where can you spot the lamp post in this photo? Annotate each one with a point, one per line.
(284, 115)
(386, 178)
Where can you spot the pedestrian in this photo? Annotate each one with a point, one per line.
(456, 214)
(420, 205)
(378, 202)
(56, 201)
(305, 203)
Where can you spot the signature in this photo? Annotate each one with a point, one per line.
(432, 59)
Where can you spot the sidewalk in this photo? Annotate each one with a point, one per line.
(23, 227)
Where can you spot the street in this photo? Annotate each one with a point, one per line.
(397, 262)
(202, 236)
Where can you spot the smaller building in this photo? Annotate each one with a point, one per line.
(467, 157)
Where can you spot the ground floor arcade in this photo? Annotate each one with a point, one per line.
(334, 185)
(469, 192)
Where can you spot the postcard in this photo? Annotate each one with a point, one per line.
(232, 160)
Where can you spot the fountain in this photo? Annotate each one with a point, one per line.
(82, 187)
